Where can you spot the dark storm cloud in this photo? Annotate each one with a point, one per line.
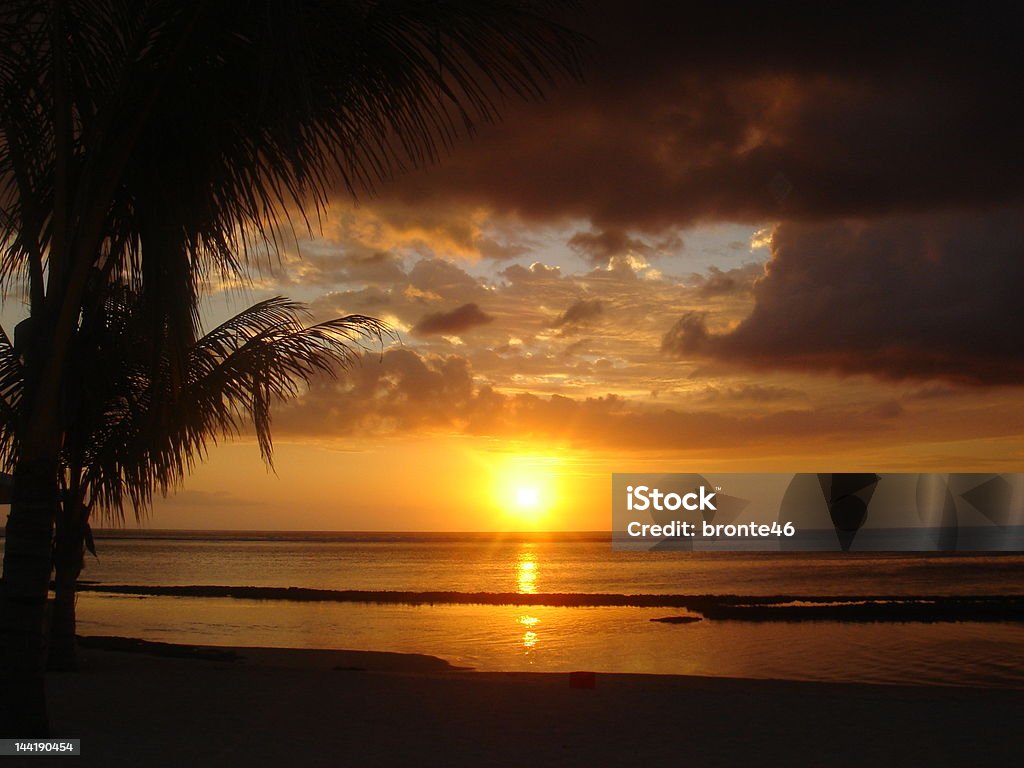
(885, 139)
(688, 336)
(580, 313)
(601, 246)
(926, 296)
(722, 282)
(755, 111)
(535, 273)
(457, 321)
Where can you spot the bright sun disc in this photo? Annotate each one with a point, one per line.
(527, 496)
(524, 490)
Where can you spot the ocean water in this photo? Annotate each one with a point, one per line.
(547, 638)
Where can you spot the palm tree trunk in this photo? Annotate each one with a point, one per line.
(67, 562)
(26, 579)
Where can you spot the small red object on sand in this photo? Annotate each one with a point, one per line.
(582, 680)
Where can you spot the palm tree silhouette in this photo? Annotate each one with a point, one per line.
(130, 432)
(157, 144)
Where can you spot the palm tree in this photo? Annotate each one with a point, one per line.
(131, 433)
(156, 143)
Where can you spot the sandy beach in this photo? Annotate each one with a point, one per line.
(278, 707)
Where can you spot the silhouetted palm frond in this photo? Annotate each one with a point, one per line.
(11, 384)
(196, 135)
(131, 433)
(145, 435)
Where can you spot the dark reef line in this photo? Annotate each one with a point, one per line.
(859, 608)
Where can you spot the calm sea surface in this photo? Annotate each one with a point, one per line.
(553, 638)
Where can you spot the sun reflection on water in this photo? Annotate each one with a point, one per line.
(529, 636)
(526, 572)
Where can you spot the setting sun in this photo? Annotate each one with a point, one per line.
(524, 489)
(527, 497)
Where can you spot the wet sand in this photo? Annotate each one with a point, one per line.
(176, 706)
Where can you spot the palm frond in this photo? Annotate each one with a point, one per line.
(203, 132)
(150, 435)
(11, 385)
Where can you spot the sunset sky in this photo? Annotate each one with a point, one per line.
(744, 243)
